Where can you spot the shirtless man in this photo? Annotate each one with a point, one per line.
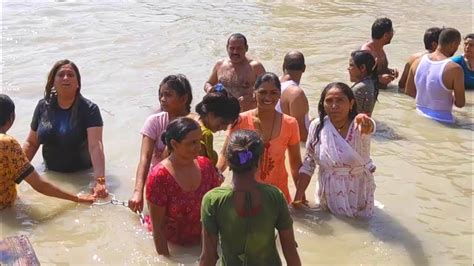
(436, 82)
(293, 101)
(382, 34)
(237, 73)
(431, 42)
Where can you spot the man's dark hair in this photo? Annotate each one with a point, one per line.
(469, 36)
(7, 108)
(294, 60)
(237, 36)
(380, 27)
(448, 36)
(431, 35)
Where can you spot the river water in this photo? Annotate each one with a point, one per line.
(123, 50)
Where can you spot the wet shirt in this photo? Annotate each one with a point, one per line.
(364, 92)
(207, 141)
(14, 167)
(252, 237)
(183, 224)
(468, 74)
(65, 146)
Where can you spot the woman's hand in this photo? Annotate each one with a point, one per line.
(88, 198)
(100, 190)
(364, 123)
(136, 202)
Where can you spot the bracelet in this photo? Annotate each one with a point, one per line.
(297, 202)
(100, 180)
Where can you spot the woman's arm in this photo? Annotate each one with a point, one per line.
(222, 161)
(31, 145)
(157, 215)
(288, 246)
(209, 255)
(96, 151)
(295, 161)
(146, 153)
(44, 187)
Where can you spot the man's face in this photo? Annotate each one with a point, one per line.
(389, 36)
(236, 50)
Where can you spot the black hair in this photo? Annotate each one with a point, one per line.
(322, 113)
(469, 36)
(221, 104)
(448, 36)
(380, 27)
(244, 150)
(177, 130)
(267, 76)
(237, 36)
(293, 60)
(7, 108)
(362, 57)
(180, 84)
(431, 35)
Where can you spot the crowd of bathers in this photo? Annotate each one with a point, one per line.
(265, 117)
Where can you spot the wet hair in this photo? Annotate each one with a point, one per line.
(177, 130)
(322, 113)
(380, 27)
(431, 35)
(265, 77)
(221, 104)
(293, 60)
(469, 36)
(237, 36)
(50, 93)
(362, 57)
(179, 84)
(7, 108)
(448, 36)
(243, 151)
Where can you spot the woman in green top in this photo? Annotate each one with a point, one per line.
(216, 111)
(246, 214)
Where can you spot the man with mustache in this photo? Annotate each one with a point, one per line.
(437, 82)
(237, 73)
(382, 34)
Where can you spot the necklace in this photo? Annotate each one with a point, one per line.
(267, 162)
(339, 129)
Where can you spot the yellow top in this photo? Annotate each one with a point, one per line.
(207, 139)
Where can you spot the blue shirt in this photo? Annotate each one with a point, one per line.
(468, 74)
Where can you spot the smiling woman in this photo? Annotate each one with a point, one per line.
(68, 126)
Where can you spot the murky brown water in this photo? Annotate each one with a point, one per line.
(424, 169)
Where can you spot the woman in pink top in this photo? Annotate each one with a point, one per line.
(175, 96)
(278, 131)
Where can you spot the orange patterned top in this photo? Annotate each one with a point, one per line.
(272, 163)
(14, 167)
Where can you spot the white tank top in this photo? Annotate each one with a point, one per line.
(284, 86)
(433, 99)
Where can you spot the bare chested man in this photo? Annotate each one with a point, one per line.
(382, 34)
(430, 39)
(293, 101)
(237, 73)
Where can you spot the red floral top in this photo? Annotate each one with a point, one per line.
(183, 208)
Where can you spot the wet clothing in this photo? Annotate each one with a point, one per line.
(272, 168)
(183, 208)
(65, 146)
(207, 140)
(345, 181)
(468, 74)
(153, 127)
(250, 237)
(364, 92)
(433, 99)
(14, 167)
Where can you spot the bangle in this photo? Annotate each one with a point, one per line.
(100, 180)
(297, 202)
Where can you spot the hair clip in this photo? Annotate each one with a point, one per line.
(245, 156)
(219, 87)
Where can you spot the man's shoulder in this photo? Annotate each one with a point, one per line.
(415, 56)
(453, 66)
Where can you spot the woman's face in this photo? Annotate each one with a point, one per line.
(215, 123)
(336, 105)
(65, 81)
(190, 146)
(267, 95)
(469, 48)
(170, 101)
(355, 72)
